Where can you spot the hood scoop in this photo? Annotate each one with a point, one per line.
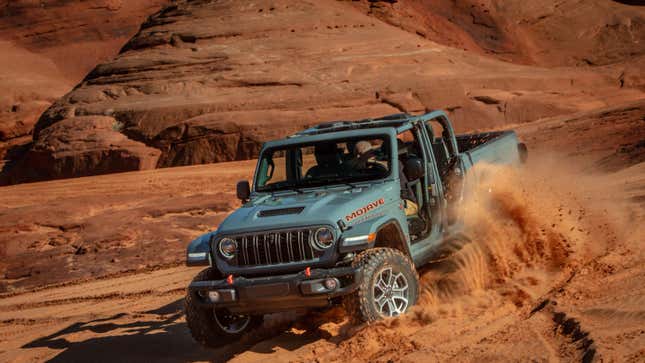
(280, 211)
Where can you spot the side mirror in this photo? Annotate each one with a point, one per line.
(243, 190)
(413, 168)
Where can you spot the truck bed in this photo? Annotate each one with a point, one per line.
(498, 147)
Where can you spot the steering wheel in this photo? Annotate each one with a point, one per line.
(376, 168)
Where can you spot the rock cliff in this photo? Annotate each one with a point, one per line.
(209, 81)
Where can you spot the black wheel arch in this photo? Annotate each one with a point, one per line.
(390, 235)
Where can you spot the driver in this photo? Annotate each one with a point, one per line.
(327, 159)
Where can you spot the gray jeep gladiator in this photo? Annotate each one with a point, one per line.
(340, 213)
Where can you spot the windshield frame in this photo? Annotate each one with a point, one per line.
(383, 133)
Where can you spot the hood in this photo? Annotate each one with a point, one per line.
(315, 207)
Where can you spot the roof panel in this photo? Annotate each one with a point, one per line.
(394, 120)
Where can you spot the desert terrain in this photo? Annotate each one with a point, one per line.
(503, 297)
(123, 143)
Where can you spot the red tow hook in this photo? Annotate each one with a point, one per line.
(308, 272)
(229, 279)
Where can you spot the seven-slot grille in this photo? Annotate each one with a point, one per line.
(270, 248)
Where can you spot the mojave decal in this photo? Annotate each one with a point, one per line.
(364, 209)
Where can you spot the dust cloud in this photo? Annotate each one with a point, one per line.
(527, 231)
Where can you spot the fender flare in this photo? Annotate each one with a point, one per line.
(400, 244)
(198, 251)
(384, 228)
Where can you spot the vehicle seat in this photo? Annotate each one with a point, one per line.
(440, 152)
(411, 165)
(408, 186)
(414, 186)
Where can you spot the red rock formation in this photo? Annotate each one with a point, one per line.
(48, 46)
(87, 145)
(74, 35)
(542, 32)
(208, 81)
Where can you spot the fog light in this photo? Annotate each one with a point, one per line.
(331, 284)
(213, 296)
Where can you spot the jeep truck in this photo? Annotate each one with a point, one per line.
(322, 226)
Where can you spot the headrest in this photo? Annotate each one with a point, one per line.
(413, 168)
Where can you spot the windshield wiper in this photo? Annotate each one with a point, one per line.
(351, 185)
(326, 182)
(284, 188)
(292, 187)
(295, 189)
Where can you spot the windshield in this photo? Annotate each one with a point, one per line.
(322, 163)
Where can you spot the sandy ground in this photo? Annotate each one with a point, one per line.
(54, 232)
(554, 271)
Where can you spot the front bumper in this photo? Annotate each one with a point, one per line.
(262, 295)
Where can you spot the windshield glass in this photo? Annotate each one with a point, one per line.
(323, 163)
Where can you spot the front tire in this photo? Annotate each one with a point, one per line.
(389, 287)
(214, 328)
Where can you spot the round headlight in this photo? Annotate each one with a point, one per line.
(323, 238)
(227, 247)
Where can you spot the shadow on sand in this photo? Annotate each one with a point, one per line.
(158, 335)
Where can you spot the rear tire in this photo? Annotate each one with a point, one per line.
(214, 328)
(389, 287)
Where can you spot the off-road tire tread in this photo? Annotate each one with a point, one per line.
(357, 304)
(201, 323)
